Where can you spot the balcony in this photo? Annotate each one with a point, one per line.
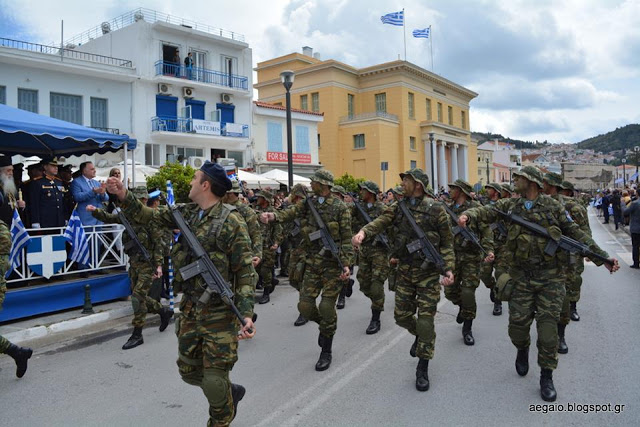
(369, 116)
(199, 127)
(203, 75)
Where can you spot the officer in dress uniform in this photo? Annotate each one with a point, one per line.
(46, 194)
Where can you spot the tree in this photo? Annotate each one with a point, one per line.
(349, 182)
(180, 176)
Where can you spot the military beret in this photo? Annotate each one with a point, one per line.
(217, 174)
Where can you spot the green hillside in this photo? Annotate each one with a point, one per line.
(625, 137)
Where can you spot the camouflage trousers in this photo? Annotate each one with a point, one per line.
(207, 351)
(265, 269)
(463, 291)
(373, 269)
(140, 274)
(486, 274)
(322, 279)
(537, 295)
(4, 343)
(296, 266)
(418, 292)
(575, 280)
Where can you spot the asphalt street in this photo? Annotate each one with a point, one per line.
(87, 380)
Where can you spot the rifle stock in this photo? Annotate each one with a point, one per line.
(323, 234)
(467, 234)
(422, 243)
(134, 238)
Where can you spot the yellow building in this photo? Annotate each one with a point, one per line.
(382, 113)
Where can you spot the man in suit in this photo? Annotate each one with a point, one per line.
(87, 191)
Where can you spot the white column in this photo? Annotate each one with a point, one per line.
(442, 165)
(463, 165)
(454, 162)
(428, 155)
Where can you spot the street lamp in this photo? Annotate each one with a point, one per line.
(624, 175)
(636, 149)
(287, 77)
(487, 162)
(433, 176)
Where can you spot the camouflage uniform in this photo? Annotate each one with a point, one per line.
(250, 217)
(271, 235)
(207, 334)
(296, 248)
(576, 266)
(538, 284)
(486, 270)
(5, 248)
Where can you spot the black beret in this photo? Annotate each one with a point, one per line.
(5, 161)
(217, 174)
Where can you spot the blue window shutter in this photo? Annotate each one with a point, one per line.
(302, 140)
(274, 137)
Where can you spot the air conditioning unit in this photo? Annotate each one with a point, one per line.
(225, 161)
(226, 98)
(187, 92)
(197, 162)
(164, 89)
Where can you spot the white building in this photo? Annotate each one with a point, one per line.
(270, 139)
(122, 75)
(503, 153)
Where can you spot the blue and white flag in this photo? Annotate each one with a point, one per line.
(47, 255)
(394, 18)
(171, 200)
(19, 240)
(74, 234)
(424, 33)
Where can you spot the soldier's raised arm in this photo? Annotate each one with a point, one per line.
(377, 226)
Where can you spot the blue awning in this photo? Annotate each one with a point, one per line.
(29, 134)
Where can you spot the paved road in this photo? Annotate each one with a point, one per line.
(90, 381)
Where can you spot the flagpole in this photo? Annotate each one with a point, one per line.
(404, 33)
(431, 44)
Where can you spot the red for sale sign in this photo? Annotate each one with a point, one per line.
(274, 156)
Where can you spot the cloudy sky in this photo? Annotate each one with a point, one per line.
(559, 70)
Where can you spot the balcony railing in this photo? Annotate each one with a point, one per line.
(369, 116)
(182, 125)
(65, 53)
(203, 75)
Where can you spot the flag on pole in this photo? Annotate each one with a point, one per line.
(424, 33)
(74, 234)
(171, 200)
(19, 240)
(394, 18)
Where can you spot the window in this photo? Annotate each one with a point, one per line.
(350, 106)
(381, 102)
(99, 113)
(274, 137)
(412, 143)
(463, 119)
(440, 112)
(174, 152)
(315, 102)
(238, 156)
(358, 141)
(66, 107)
(450, 114)
(413, 164)
(3, 94)
(428, 109)
(412, 114)
(302, 140)
(28, 100)
(318, 141)
(152, 154)
(304, 104)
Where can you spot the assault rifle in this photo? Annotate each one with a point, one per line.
(382, 238)
(134, 242)
(467, 234)
(565, 243)
(422, 243)
(322, 233)
(203, 266)
(500, 228)
(296, 229)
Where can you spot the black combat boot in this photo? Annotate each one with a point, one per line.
(422, 375)
(414, 347)
(574, 312)
(349, 288)
(467, 335)
(20, 355)
(522, 362)
(265, 296)
(165, 315)
(237, 393)
(492, 295)
(374, 325)
(274, 282)
(562, 344)
(325, 356)
(320, 339)
(135, 339)
(259, 283)
(300, 321)
(497, 308)
(547, 390)
(459, 318)
(341, 300)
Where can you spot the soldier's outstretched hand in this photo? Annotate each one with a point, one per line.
(345, 273)
(90, 208)
(248, 326)
(266, 217)
(462, 220)
(614, 266)
(490, 257)
(357, 240)
(447, 279)
(115, 186)
(255, 261)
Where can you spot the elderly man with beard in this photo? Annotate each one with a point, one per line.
(8, 191)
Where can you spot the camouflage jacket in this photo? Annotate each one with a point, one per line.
(374, 210)
(255, 231)
(578, 213)
(272, 232)
(5, 248)
(229, 247)
(499, 238)
(482, 231)
(528, 248)
(152, 238)
(430, 217)
(336, 216)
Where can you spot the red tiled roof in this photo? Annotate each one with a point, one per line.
(530, 157)
(498, 165)
(283, 108)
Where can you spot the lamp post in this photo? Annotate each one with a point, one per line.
(287, 77)
(487, 162)
(433, 176)
(624, 175)
(636, 149)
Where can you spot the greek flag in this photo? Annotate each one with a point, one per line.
(19, 240)
(394, 18)
(74, 234)
(171, 200)
(421, 33)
